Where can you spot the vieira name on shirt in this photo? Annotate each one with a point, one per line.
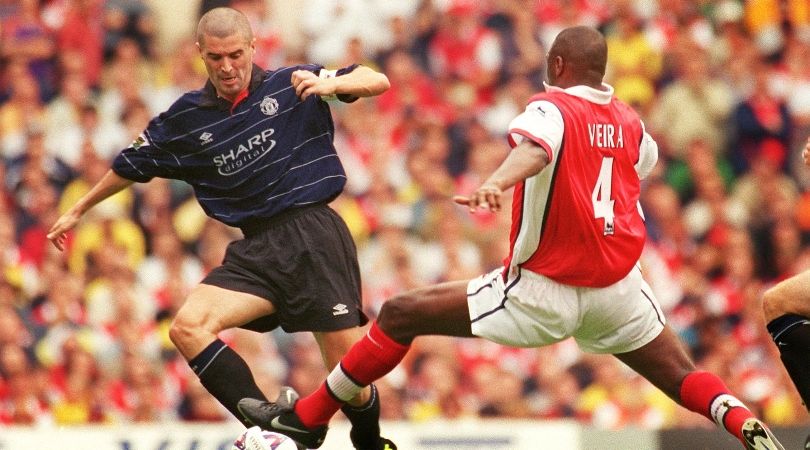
(606, 135)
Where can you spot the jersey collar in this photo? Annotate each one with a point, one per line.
(601, 97)
(212, 100)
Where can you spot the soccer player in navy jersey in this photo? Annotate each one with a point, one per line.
(577, 233)
(787, 313)
(256, 146)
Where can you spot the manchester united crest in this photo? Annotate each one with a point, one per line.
(269, 105)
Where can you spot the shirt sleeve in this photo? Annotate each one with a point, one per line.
(148, 156)
(541, 123)
(326, 73)
(647, 154)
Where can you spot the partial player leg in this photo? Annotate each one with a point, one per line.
(787, 313)
(665, 363)
(434, 310)
(363, 410)
(437, 310)
(207, 311)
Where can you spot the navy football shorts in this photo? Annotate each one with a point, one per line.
(304, 261)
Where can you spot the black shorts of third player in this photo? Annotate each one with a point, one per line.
(305, 262)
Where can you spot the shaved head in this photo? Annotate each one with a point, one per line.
(224, 22)
(582, 51)
(226, 46)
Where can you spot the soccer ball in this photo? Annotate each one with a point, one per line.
(257, 439)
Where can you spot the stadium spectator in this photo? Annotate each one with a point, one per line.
(764, 181)
(21, 402)
(182, 72)
(436, 389)
(24, 38)
(412, 91)
(64, 112)
(553, 16)
(128, 64)
(364, 20)
(270, 51)
(388, 257)
(139, 394)
(128, 20)
(634, 63)
(465, 55)
(22, 111)
(554, 392)
(521, 47)
(14, 330)
(796, 74)
(761, 123)
(80, 399)
(168, 268)
(91, 167)
(35, 168)
(80, 39)
(38, 202)
(197, 405)
(507, 103)
(500, 393)
(695, 105)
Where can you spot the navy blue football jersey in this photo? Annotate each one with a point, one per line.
(246, 162)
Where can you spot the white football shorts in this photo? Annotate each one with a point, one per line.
(530, 310)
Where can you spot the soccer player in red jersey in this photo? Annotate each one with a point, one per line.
(577, 233)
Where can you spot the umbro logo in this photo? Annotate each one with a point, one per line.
(340, 309)
(205, 138)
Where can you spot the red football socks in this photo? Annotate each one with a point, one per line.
(373, 357)
(317, 408)
(706, 394)
(368, 360)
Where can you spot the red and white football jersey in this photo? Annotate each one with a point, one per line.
(578, 221)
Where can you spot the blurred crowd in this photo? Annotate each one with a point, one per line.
(723, 86)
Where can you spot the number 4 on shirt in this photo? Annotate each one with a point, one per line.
(602, 203)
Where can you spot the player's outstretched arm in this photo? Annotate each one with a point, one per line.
(107, 186)
(524, 161)
(360, 82)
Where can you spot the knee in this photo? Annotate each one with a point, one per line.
(180, 330)
(398, 315)
(187, 328)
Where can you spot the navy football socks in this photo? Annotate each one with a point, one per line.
(226, 376)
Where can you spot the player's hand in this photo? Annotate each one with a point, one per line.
(806, 152)
(307, 83)
(486, 197)
(58, 232)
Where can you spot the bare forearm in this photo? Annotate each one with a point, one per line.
(109, 185)
(524, 161)
(362, 82)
